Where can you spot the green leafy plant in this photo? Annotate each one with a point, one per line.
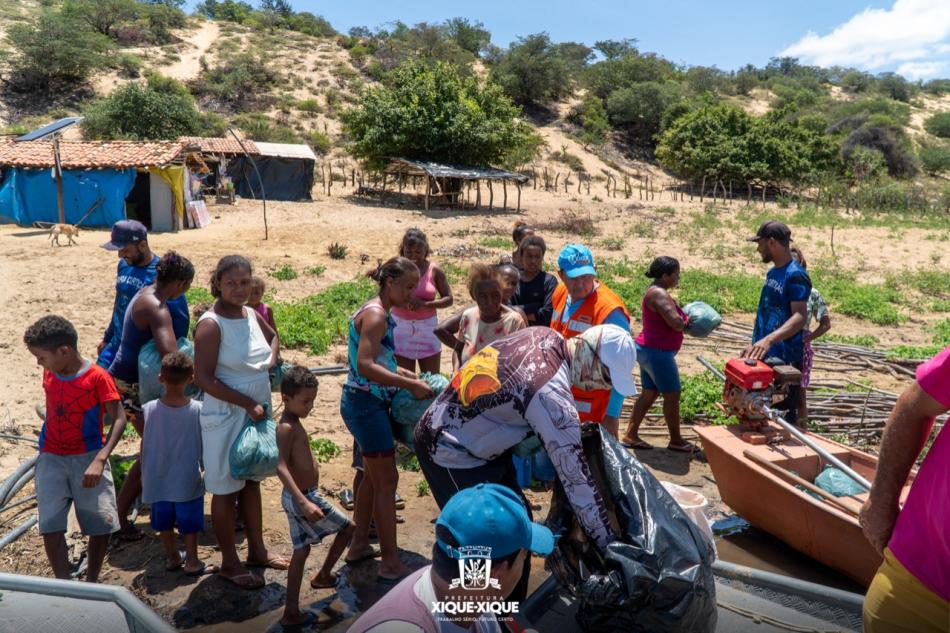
(613, 243)
(337, 251)
(323, 449)
(495, 241)
(422, 488)
(197, 294)
(315, 271)
(410, 463)
(284, 273)
(318, 320)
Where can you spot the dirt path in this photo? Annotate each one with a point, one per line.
(200, 41)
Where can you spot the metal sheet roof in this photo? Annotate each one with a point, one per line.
(440, 170)
(88, 154)
(285, 150)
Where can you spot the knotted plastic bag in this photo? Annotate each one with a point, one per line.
(703, 319)
(253, 454)
(406, 410)
(150, 364)
(837, 483)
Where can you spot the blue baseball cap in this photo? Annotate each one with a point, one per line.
(125, 232)
(576, 260)
(492, 518)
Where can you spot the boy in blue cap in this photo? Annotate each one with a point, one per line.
(483, 537)
(581, 302)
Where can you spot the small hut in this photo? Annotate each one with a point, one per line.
(452, 185)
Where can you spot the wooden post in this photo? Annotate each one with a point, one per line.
(428, 188)
(478, 194)
(702, 190)
(519, 197)
(556, 176)
(504, 190)
(329, 178)
(491, 195)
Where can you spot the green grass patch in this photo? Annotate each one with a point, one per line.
(913, 352)
(454, 272)
(323, 449)
(315, 271)
(877, 303)
(284, 273)
(863, 340)
(196, 295)
(613, 243)
(699, 396)
(495, 241)
(422, 488)
(318, 320)
(409, 463)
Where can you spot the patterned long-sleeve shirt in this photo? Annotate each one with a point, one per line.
(516, 385)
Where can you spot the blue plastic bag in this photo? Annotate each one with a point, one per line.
(150, 365)
(702, 319)
(253, 454)
(837, 483)
(406, 410)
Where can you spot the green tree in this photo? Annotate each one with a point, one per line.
(625, 70)
(613, 49)
(591, 115)
(938, 124)
(533, 72)
(470, 36)
(640, 109)
(280, 7)
(237, 83)
(56, 48)
(895, 87)
(160, 109)
(310, 24)
(229, 10)
(436, 113)
(102, 15)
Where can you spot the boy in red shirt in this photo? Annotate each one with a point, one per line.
(73, 465)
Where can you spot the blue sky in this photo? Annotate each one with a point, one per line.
(908, 36)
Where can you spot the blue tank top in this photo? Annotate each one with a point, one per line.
(128, 281)
(386, 356)
(125, 365)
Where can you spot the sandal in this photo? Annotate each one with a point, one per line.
(247, 580)
(400, 504)
(129, 534)
(202, 571)
(320, 585)
(374, 552)
(640, 444)
(346, 499)
(686, 447)
(274, 562)
(181, 561)
(307, 622)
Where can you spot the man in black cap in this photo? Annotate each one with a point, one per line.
(136, 270)
(782, 307)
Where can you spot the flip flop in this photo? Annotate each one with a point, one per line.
(691, 449)
(307, 622)
(400, 502)
(256, 581)
(375, 553)
(317, 585)
(202, 571)
(391, 582)
(641, 444)
(274, 562)
(181, 561)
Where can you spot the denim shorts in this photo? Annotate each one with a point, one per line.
(188, 516)
(658, 370)
(367, 418)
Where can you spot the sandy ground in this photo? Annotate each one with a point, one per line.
(77, 282)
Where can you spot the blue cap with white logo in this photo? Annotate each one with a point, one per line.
(493, 517)
(576, 260)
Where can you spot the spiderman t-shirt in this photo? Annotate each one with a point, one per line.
(75, 410)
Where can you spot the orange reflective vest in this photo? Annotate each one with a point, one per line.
(591, 405)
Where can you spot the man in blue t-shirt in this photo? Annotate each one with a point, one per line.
(782, 307)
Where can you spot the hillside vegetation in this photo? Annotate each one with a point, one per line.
(601, 112)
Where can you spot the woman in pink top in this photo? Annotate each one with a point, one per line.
(415, 324)
(657, 345)
(911, 591)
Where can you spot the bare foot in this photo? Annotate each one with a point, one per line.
(321, 581)
(299, 618)
(394, 572)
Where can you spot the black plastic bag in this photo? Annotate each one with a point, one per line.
(657, 576)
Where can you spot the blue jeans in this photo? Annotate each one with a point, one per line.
(658, 370)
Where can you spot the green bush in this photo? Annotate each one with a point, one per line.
(318, 141)
(591, 116)
(323, 449)
(435, 113)
(533, 72)
(318, 320)
(55, 48)
(284, 273)
(640, 109)
(160, 109)
(935, 159)
(261, 127)
(238, 83)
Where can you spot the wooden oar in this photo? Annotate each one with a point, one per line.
(842, 504)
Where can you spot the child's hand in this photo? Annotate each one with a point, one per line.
(90, 478)
(313, 512)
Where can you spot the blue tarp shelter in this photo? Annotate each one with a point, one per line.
(92, 170)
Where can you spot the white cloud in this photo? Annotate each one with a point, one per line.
(918, 70)
(913, 35)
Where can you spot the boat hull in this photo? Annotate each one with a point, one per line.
(814, 527)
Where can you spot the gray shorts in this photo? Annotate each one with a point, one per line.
(302, 531)
(59, 485)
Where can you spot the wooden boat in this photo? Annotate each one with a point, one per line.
(756, 481)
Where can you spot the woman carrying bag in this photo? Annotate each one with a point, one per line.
(234, 349)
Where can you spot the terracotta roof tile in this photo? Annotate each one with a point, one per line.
(88, 154)
(213, 145)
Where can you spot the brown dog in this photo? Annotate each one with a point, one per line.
(68, 230)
